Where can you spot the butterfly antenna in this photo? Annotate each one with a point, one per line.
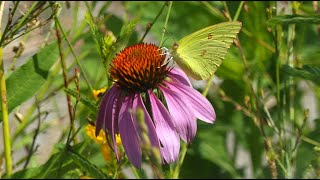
(170, 35)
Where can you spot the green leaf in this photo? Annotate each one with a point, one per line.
(308, 72)
(86, 165)
(23, 83)
(57, 165)
(294, 19)
(85, 101)
(97, 36)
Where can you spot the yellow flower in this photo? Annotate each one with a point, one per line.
(102, 141)
(118, 139)
(106, 152)
(85, 177)
(98, 93)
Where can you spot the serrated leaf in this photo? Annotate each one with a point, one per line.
(86, 165)
(85, 101)
(308, 72)
(97, 36)
(24, 82)
(294, 19)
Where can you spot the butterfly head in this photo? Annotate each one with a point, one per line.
(175, 46)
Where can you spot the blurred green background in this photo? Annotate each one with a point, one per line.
(266, 92)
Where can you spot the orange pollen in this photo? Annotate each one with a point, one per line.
(139, 67)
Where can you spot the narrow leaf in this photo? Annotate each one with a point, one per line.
(308, 72)
(86, 165)
(85, 101)
(294, 19)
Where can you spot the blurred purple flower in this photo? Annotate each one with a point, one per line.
(142, 75)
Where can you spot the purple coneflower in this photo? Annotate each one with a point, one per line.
(143, 77)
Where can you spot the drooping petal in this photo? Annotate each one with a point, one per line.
(179, 76)
(104, 118)
(169, 139)
(182, 116)
(128, 133)
(116, 105)
(104, 111)
(108, 113)
(138, 103)
(202, 108)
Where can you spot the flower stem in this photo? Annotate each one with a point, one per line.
(208, 85)
(5, 120)
(149, 26)
(65, 78)
(4, 107)
(74, 54)
(176, 171)
(214, 10)
(165, 23)
(238, 11)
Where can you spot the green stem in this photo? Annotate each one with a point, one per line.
(75, 13)
(5, 120)
(236, 16)
(8, 25)
(166, 22)
(4, 107)
(74, 54)
(208, 85)
(310, 141)
(135, 172)
(261, 42)
(214, 10)
(20, 24)
(149, 26)
(183, 152)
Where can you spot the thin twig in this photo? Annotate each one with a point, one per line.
(32, 149)
(77, 82)
(64, 73)
(149, 25)
(74, 55)
(165, 23)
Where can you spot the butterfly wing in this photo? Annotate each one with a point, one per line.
(202, 52)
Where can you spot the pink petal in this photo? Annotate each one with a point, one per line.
(178, 75)
(128, 133)
(138, 103)
(169, 139)
(182, 115)
(115, 106)
(108, 113)
(104, 111)
(201, 107)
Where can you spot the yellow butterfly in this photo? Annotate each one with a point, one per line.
(202, 52)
